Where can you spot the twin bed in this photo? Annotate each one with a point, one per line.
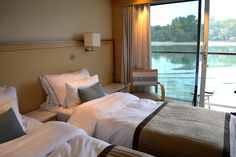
(51, 139)
(157, 128)
(57, 139)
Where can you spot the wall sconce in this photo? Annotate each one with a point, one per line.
(91, 40)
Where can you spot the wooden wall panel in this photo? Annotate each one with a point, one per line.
(20, 66)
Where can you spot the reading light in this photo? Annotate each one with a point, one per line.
(91, 40)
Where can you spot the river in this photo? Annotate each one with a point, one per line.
(177, 70)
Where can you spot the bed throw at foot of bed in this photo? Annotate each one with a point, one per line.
(180, 131)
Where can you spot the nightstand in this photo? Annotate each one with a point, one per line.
(115, 87)
(42, 115)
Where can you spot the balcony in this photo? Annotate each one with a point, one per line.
(177, 73)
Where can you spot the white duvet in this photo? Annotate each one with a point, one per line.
(53, 139)
(113, 118)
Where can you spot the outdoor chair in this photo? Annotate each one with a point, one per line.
(207, 96)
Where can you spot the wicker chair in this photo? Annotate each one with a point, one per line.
(144, 80)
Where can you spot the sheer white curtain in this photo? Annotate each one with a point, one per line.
(136, 40)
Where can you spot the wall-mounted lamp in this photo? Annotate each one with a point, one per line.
(91, 40)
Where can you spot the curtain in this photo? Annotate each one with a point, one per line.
(136, 40)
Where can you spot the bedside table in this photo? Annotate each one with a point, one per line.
(115, 87)
(42, 115)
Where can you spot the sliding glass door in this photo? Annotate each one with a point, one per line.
(175, 47)
(196, 65)
(221, 59)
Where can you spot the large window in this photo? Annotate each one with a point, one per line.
(176, 49)
(174, 29)
(221, 69)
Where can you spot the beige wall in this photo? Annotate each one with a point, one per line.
(53, 20)
(41, 21)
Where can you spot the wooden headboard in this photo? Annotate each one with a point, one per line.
(21, 64)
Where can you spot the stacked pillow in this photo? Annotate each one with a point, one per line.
(54, 85)
(11, 123)
(73, 97)
(62, 89)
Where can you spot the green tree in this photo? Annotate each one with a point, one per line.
(184, 29)
(224, 30)
(180, 29)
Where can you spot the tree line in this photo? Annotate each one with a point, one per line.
(184, 29)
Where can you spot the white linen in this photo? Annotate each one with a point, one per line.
(113, 118)
(9, 93)
(45, 85)
(53, 139)
(2, 87)
(72, 96)
(63, 113)
(54, 85)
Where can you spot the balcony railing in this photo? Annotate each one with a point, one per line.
(177, 72)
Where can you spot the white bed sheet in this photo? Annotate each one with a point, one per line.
(63, 113)
(52, 139)
(114, 118)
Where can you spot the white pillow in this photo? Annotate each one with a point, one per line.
(4, 107)
(51, 97)
(2, 87)
(45, 85)
(54, 85)
(6, 95)
(72, 96)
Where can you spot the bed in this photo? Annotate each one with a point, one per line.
(157, 128)
(57, 139)
(51, 139)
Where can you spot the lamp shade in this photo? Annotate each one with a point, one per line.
(92, 39)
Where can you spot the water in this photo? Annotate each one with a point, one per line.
(177, 77)
(177, 71)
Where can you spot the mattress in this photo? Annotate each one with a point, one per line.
(63, 113)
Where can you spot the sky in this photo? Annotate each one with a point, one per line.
(164, 14)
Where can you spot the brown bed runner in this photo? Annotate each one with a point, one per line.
(180, 131)
(118, 151)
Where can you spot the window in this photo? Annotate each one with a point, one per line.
(174, 29)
